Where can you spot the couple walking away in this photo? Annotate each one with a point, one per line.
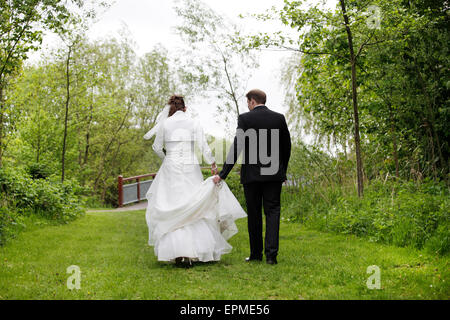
(191, 219)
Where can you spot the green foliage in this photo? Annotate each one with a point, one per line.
(7, 219)
(22, 196)
(22, 22)
(402, 82)
(38, 170)
(112, 106)
(403, 214)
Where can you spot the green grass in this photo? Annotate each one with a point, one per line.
(116, 263)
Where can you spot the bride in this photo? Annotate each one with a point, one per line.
(189, 219)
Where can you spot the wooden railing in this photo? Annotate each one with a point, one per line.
(121, 180)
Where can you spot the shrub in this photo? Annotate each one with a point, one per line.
(6, 220)
(111, 193)
(21, 195)
(403, 214)
(38, 171)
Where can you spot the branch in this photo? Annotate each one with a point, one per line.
(305, 52)
(233, 95)
(17, 41)
(364, 44)
(283, 48)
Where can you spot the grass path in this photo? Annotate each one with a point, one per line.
(110, 249)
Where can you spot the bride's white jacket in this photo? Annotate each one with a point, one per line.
(180, 135)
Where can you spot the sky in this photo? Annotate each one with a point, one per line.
(152, 22)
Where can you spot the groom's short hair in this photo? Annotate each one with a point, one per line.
(258, 95)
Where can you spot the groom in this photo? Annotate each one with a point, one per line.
(263, 137)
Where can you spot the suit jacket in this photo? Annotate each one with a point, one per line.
(264, 138)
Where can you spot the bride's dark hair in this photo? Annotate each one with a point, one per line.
(176, 103)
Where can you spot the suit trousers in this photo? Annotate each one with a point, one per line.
(257, 195)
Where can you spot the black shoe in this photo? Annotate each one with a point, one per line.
(252, 259)
(183, 262)
(187, 263)
(271, 261)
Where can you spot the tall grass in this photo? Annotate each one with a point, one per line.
(403, 213)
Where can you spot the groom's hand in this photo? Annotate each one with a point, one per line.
(216, 179)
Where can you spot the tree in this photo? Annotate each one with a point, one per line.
(397, 68)
(155, 82)
(334, 46)
(216, 61)
(353, 60)
(21, 28)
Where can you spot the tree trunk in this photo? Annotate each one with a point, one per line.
(344, 145)
(66, 114)
(433, 156)
(394, 141)
(86, 150)
(1, 122)
(38, 148)
(359, 169)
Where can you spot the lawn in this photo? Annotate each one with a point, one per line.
(115, 262)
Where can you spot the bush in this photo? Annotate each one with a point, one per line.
(6, 220)
(439, 242)
(38, 171)
(21, 195)
(403, 214)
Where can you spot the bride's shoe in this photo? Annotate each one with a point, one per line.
(184, 262)
(187, 262)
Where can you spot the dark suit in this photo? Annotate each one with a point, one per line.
(261, 132)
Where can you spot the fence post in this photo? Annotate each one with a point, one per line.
(138, 189)
(120, 185)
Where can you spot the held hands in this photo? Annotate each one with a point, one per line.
(217, 179)
(214, 170)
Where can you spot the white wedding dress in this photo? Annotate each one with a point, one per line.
(186, 215)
